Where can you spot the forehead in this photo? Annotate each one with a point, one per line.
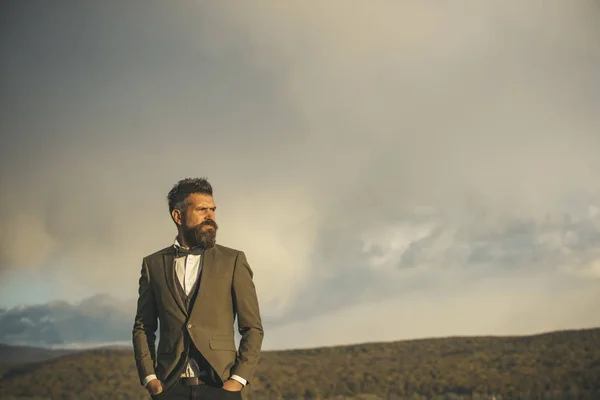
(200, 200)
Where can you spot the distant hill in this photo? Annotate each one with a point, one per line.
(26, 354)
(561, 365)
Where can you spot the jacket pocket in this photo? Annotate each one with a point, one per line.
(220, 344)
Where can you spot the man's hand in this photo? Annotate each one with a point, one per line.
(232, 385)
(154, 387)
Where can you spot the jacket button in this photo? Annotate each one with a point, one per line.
(189, 326)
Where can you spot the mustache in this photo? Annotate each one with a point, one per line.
(208, 222)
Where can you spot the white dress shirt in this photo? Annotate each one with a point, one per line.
(188, 270)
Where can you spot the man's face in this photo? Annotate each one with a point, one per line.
(197, 222)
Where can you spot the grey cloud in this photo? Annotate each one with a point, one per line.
(512, 306)
(114, 95)
(446, 257)
(321, 127)
(95, 320)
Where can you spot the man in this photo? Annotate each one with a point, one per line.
(196, 288)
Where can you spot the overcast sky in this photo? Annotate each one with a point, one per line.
(392, 169)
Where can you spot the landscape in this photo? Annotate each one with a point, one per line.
(410, 188)
(555, 365)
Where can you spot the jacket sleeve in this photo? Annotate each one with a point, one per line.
(144, 327)
(245, 302)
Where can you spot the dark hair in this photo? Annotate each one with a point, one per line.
(178, 195)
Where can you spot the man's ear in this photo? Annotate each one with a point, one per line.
(176, 215)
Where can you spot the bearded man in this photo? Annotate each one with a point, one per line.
(196, 288)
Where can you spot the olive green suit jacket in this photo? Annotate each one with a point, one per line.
(226, 290)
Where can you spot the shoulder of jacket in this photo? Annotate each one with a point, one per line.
(160, 253)
(227, 250)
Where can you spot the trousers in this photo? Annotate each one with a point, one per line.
(197, 392)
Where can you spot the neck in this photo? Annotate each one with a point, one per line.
(182, 241)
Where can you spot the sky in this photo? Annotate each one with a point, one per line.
(392, 169)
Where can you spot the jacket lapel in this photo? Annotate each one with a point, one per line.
(208, 267)
(169, 261)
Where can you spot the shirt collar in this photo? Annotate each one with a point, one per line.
(176, 243)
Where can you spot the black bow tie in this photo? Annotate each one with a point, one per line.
(181, 252)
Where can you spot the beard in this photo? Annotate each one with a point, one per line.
(199, 236)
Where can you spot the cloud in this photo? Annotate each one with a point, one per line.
(96, 321)
(276, 228)
(457, 305)
(19, 231)
(356, 151)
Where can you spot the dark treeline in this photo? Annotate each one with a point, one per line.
(558, 365)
